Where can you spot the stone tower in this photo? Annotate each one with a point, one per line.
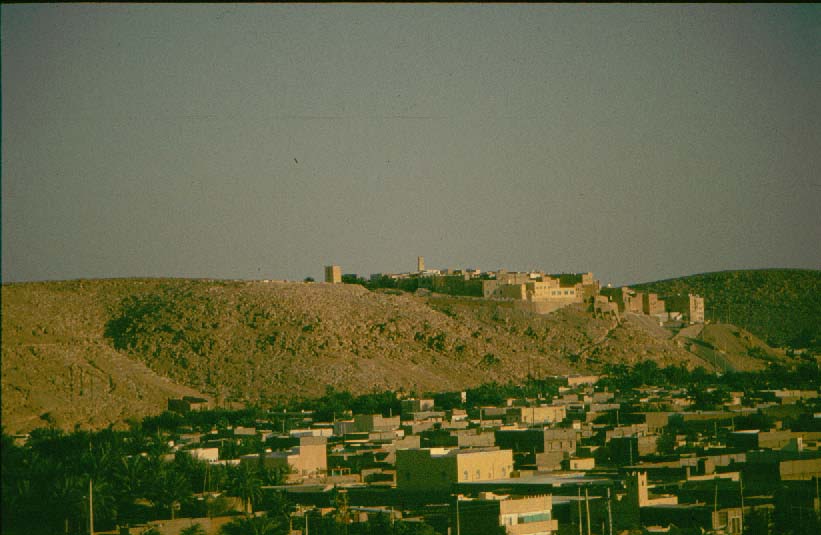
(420, 263)
(637, 489)
(333, 274)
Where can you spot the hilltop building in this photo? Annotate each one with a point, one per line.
(538, 292)
(188, 404)
(420, 263)
(605, 308)
(651, 305)
(689, 307)
(333, 274)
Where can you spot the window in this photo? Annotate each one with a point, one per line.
(526, 518)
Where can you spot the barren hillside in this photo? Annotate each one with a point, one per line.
(98, 352)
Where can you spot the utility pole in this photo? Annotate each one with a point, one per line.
(90, 507)
(609, 514)
(458, 521)
(579, 502)
(741, 489)
(587, 508)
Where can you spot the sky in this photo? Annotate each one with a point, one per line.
(640, 142)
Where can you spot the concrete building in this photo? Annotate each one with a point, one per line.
(309, 458)
(437, 469)
(210, 455)
(578, 380)
(188, 404)
(531, 515)
(333, 274)
(705, 517)
(367, 423)
(696, 309)
(538, 440)
(545, 414)
(628, 449)
(537, 292)
(651, 305)
(413, 405)
(590, 286)
(800, 469)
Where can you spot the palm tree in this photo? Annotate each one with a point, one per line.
(171, 488)
(105, 507)
(193, 469)
(254, 525)
(193, 529)
(66, 496)
(245, 483)
(130, 475)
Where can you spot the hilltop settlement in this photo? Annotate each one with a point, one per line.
(535, 291)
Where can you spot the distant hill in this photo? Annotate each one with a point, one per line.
(780, 306)
(95, 352)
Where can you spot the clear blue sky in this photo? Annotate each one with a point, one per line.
(264, 141)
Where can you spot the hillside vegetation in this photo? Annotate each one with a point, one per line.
(92, 353)
(780, 306)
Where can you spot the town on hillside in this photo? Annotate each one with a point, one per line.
(630, 450)
(535, 291)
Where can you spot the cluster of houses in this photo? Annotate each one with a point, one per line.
(586, 461)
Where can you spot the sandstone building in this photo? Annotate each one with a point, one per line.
(333, 274)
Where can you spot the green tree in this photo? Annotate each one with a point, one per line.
(255, 525)
(170, 489)
(413, 528)
(245, 483)
(666, 442)
(131, 478)
(708, 398)
(193, 529)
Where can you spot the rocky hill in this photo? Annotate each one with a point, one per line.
(91, 353)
